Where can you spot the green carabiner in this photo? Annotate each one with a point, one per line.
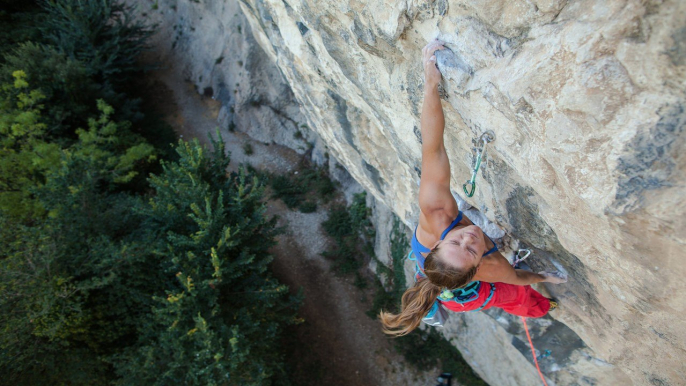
(470, 192)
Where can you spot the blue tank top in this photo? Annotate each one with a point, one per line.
(418, 248)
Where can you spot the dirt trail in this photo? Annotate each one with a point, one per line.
(338, 344)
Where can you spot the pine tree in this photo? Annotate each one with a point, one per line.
(218, 320)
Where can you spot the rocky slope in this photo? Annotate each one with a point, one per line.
(587, 102)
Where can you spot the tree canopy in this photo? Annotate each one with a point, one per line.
(118, 263)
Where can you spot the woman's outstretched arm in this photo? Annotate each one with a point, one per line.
(434, 187)
(499, 270)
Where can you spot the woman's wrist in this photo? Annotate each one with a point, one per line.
(430, 86)
(555, 277)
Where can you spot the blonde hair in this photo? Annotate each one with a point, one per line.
(418, 299)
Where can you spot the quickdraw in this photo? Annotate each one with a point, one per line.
(469, 187)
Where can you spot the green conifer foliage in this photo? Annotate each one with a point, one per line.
(24, 154)
(105, 39)
(107, 276)
(175, 290)
(218, 315)
(102, 34)
(61, 245)
(68, 88)
(107, 153)
(17, 20)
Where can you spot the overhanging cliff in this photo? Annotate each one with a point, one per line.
(587, 102)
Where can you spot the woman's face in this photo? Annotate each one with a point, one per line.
(463, 247)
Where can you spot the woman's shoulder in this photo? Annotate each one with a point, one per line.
(436, 221)
(431, 225)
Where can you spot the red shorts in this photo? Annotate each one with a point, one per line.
(513, 299)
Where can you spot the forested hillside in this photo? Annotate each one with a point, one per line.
(122, 260)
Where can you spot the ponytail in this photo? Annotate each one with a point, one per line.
(416, 303)
(418, 299)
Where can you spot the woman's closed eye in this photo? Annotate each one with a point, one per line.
(455, 242)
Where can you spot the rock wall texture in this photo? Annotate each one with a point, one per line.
(587, 102)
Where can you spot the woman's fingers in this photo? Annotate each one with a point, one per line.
(434, 44)
(435, 48)
(430, 48)
(431, 72)
(432, 61)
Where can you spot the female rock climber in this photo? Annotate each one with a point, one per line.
(460, 256)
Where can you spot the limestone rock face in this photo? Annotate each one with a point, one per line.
(587, 102)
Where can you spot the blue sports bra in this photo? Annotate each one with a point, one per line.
(418, 248)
